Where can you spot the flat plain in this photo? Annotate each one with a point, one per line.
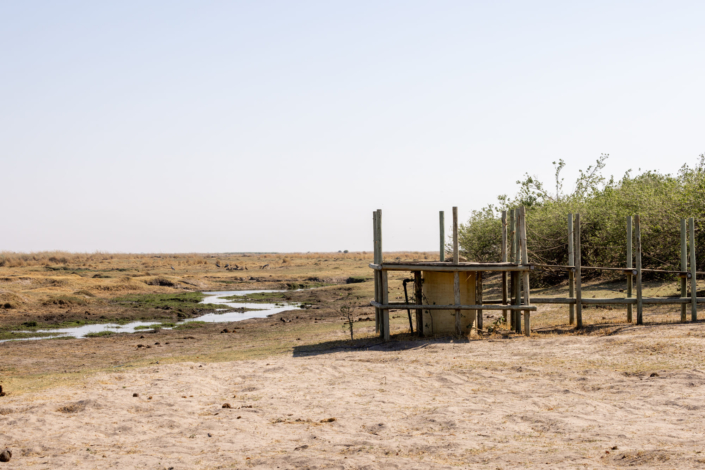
(301, 394)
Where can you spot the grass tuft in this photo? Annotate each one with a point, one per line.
(190, 325)
(65, 300)
(99, 334)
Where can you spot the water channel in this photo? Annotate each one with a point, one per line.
(259, 310)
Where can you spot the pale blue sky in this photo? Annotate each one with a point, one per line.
(167, 126)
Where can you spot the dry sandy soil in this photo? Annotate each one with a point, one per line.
(611, 395)
(630, 399)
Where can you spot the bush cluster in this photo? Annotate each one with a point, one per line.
(661, 200)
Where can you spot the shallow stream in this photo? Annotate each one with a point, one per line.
(262, 310)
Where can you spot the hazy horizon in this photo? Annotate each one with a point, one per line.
(213, 127)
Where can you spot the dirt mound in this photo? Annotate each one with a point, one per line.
(160, 281)
(65, 300)
(9, 300)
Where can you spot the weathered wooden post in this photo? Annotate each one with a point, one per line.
(630, 264)
(525, 283)
(684, 270)
(378, 277)
(478, 299)
(639, 286)
(385, 301)
(693, 284)
(456, 274)
(571, 273)
(519, 222)
(517, 300)
(384, 284)
(504, 260)
(578, 276)
(512, 259)
(515, 238)
(441, 218)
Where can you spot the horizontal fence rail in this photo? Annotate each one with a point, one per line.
(403, 306)
(516, 268)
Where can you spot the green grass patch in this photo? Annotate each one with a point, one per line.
(148, 327)
(99, 334)
(34, 325)
(265, 297)
(186, 300)
(23, 335)
(300, 286)
(190, 325)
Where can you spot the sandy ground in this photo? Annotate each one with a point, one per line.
(550, 402)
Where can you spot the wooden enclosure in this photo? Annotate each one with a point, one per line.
(448, 294)
(447, 272)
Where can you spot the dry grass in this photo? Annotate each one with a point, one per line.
(34, 284)
(32, 293)
(495, 393)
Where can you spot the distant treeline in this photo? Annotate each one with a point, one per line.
(660, 200)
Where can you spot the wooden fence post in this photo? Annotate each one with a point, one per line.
(380, 252)
(630, 264)
(684, 269)
(456, 274)
(384, 284)
(515, 237)
(693, 284)
(504, 260)
(512, 259)
(456, 252)
(517, 259)
(639, 293)
(571, 273)
(519, 227)
(441, 217)
(456, 294)
(478, 299)
(385, 300)
(578, 276)
(525, 283)
(377, 276)
(517, 300)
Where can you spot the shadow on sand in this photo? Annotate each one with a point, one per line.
(406, 341)
(608, 328)
(398, 342)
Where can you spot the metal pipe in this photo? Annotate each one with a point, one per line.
(406, 297)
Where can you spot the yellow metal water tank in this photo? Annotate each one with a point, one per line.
(438, 290)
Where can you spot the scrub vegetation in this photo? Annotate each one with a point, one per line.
(603, 202)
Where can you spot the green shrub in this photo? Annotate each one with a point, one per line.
(661, 200)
